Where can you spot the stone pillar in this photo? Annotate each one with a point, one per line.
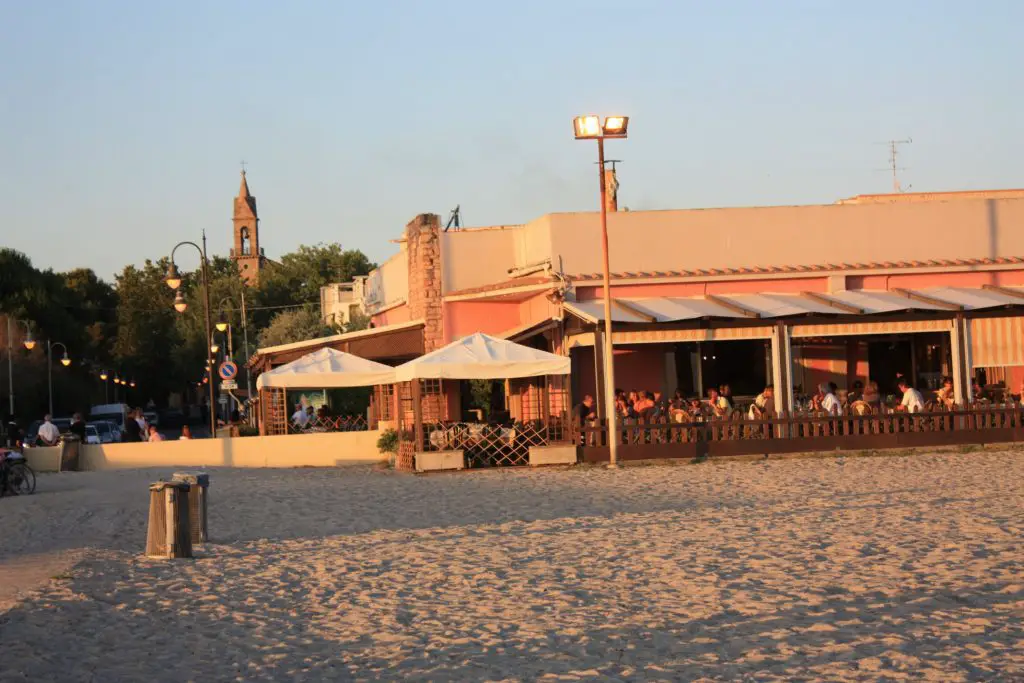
(423, 242)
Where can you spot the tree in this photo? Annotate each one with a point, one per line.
(298, 277)
(295, 325)
(358, 321)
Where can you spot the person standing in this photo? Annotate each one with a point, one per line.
(49, 435)
(132, 432)
(14, 436)
(78, 427)
(143, 425)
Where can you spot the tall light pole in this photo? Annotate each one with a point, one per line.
(65, 361)
(174, 282)
(29, 344)
(590, 128)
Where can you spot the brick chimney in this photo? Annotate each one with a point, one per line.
(611, 186)
(423, 242)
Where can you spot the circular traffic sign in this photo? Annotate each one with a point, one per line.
(227, 370)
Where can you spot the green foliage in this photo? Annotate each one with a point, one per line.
(295, 325)
(357, 322)
(387, 442)
(480, 395)
(131, 328)
(298, 277)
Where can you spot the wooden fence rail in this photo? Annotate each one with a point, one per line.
(661, 438)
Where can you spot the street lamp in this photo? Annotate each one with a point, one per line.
(590, 128)
(29, 344)
(214, 347)
(180, 305)
(65, 361)
(173, 280)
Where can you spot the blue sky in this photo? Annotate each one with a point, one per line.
(124, 122)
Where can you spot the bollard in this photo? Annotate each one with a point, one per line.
(199, 484)
(169, 534)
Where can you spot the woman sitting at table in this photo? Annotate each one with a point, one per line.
(945, 395)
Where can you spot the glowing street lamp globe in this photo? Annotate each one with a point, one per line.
(173, 279)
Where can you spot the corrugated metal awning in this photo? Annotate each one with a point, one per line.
(746, 306)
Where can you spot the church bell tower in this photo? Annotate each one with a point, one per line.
(247, 253)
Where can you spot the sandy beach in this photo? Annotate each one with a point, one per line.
(858, 569)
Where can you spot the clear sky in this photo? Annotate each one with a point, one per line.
(122, 123)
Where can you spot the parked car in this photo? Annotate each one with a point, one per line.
(108, 431)
(92, 435)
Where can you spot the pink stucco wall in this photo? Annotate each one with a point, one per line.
(394, 316)
(463, 318)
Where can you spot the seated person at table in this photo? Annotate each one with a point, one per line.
(827, 402)
(299, 418)
(945, 395)
(912, 400)
(979, 392)
(719, 404)
(660, 405)
(856, 392)
(763, 405)
(644, 405)
(584, 412)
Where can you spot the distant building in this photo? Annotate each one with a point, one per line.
(340, 302)
(247, 253)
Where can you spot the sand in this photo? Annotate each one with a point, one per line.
(860, 569)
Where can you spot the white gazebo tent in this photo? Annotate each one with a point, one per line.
(323, 369)
(478, 356)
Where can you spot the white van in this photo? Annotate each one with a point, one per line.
(111, 412)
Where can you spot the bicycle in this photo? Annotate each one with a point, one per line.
(16, 477)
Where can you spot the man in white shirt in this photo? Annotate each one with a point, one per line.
(829, 403)
(49, 435)
(299, 417)
(912, 400)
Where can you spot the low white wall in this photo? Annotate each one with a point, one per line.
(44, 459)
(330, 449)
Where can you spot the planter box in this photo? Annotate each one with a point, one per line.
(432, 461)
(552, 455)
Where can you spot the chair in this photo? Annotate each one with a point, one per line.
(861, 408)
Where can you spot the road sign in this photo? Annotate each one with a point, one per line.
(227, 370)
(228, 385)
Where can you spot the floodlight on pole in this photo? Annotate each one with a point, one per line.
(589, 127)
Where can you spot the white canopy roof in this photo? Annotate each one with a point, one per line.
(327, 369)
(480, 356)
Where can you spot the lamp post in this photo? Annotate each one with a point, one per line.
(29, 344)
(65, 361)
(591, 128)
(174, 282)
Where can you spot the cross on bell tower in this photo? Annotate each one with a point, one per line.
(247, 253)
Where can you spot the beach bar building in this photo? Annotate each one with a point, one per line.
(923, 285)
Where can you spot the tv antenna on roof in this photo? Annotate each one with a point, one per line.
(893, 168)
(454, 218)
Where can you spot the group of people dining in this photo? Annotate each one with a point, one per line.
(860, 399)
